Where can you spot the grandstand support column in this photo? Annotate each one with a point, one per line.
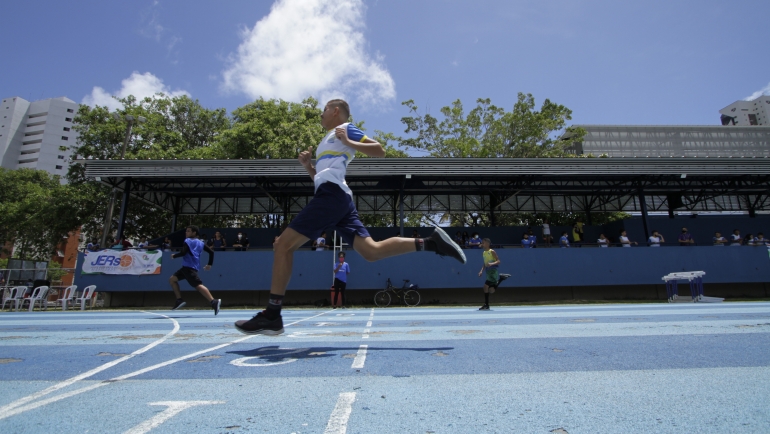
(492, 206)
(124, 208)
(401, 208)
(395, 210)
(752, 209)
(643, 208)
(173, 223)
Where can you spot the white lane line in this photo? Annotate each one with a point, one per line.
(90, 373)
(20, 409)
(338, 421)
(358, 362)
(369, 324)
(173, 408)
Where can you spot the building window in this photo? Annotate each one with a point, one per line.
(68, 119)
(752, 119)
(66, 128)
(70, 111)
(61, 157)
(58, 167)
(65, 138)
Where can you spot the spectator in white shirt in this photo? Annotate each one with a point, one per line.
(719, 240)
(603, 241)
(655, 239)
(761, 240)
(748, 240)
(624, 241)
(547, 233)
(735, 238)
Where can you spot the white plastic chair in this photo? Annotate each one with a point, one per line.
(39, 294)
(88, 292)
(67, 296)
(15, 297)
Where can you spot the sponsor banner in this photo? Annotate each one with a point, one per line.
(122, 262)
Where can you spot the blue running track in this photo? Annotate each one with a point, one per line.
(618, 368)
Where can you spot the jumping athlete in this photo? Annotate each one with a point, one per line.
(332, 207)
(493, 278)
(191, 260)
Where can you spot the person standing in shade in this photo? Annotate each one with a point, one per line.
(547, 233)
(719, 240)
(491, 264)
(577, 231)
(685, 238)
(564, 240)
(655, 239)
(475, 241)
(525, 243)
(624, 241)
(332, 206)
(603, 241)
(241, 242)
(466, 239)
(320, 243)
(341, 271)
(735, 239)
(218, 243)
(191, 261)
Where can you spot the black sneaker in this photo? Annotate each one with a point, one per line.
(485, 307)
(179, 304)
(215, 305)
(502, 277)
(260, 325)
(445, 246)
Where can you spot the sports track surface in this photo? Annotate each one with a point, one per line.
(536, 369)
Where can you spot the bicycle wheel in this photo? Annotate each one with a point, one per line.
(412, 298)
(382, 299)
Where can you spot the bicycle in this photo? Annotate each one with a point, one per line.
(405, 294)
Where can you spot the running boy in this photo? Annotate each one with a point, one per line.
(491, 262)
(191, 260)
(332, 206)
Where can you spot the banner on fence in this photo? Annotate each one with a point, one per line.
(122, 262)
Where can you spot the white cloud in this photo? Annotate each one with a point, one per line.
(309, 47)
(138, 85)
(757, 94)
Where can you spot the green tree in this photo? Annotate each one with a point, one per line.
(37, 211)
(175, 127)
(490, 131)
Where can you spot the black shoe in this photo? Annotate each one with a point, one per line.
(485, 307)
(445, 246)
(502, 277)
(179, 304)
(260, 325)
(215, 305)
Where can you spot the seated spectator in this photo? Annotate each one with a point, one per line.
(92, 246)
(126, 244)
(166, 244)
(564, 241)
(685, 238)
(142, 243)
(218, 243)
(719, 240)
(761, 240)
(459, 239)
(748, 240)
(241, 242)
(319, 244)
(114, 245)
(466, 238)
(603, 241)
(475, 241)
(735, 238)
(624, 241)
(532, 239)
(655, 239)
(525, 243)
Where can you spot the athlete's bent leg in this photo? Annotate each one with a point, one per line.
(175, 286)
(205, 292)
(375, 250)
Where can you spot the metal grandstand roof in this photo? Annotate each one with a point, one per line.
(449, 184)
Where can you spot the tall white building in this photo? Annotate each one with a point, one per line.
(746, 113)
(37, 135)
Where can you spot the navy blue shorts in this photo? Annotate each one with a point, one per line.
(330, 209)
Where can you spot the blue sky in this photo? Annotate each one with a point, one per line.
(611, 62)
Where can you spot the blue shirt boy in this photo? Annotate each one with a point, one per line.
(342, 274)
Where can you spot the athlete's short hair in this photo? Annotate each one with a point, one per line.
(341, 254)
(194, 229)
(342, 105)
(487, 240)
